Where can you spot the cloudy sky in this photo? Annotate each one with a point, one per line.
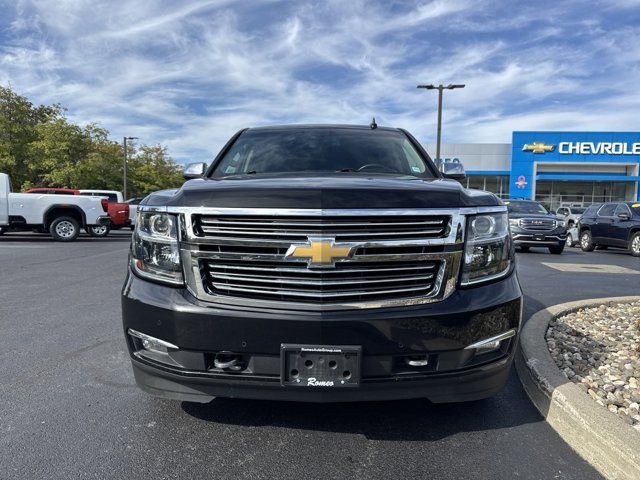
(188, 74)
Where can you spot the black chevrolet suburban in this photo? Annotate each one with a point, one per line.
(323, 264)
(532, 225)
(613, 224)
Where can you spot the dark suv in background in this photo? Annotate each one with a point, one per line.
(532, 225)
(615, 224)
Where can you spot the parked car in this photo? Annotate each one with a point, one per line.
(324, 264)
(133, 209)
(118, 209)
(54, 191)
(613, 224)
(570, 215)
(532, 225)
(61, 215)
(573, 237)
(95, 230)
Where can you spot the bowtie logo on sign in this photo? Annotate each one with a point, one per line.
(538, 147)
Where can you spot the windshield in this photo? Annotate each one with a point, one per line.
(322, 150)
(575, 210)
(526, 207)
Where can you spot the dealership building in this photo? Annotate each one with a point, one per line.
(555, 168)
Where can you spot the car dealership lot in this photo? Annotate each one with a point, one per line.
(69, 407)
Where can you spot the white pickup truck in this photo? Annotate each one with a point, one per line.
(61, 215)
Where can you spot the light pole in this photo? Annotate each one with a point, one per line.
(440, 89)
(124, 178)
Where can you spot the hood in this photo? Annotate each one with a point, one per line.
(333, 191)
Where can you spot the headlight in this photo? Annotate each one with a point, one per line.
(154, 248)
(488, 250)
(514, 222)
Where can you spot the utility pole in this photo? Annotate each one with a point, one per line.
(440, 89)
(124, 177)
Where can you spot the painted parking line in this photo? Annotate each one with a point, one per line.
(591, 268)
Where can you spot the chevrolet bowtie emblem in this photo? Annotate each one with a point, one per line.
(538, 147)
(321, 252)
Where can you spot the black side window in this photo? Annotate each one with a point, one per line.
(622, 208)
(607, 210)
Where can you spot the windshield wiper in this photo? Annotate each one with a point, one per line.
(347, 170)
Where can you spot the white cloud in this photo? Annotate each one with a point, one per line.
(189, 74)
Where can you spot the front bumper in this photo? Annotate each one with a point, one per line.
(439, 330)
(529, 238)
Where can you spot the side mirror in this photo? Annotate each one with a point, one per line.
(624, 216)
(194, 170)
(453, 170)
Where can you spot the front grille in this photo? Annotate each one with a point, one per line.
(294, 281)
(342, 228)
(393, 257)
(538, 224)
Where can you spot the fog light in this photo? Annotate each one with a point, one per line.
(152, 344)
(492, 343)
(489, 346)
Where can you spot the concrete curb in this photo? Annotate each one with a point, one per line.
(597, 435)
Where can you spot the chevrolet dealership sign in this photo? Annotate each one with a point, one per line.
(583, 159)
(599, 148)
(585, 148)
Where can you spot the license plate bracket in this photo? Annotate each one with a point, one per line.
(320, 366)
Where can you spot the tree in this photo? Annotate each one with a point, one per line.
(18, 122)
(39, 146)
(151, 169)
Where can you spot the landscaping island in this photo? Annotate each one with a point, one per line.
(598, 349)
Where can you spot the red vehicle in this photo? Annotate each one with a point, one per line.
(53, 191)
(117, 209)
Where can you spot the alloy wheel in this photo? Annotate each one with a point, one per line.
(635, 245)
(65, 229)
(584, 241)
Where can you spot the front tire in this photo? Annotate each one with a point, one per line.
(634, 246)
(524, 249)
(586, 242)
(64, 229)
(570, 241)
(556, 250)
(98, 231)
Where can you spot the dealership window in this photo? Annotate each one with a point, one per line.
(555, 193)
(498, 184)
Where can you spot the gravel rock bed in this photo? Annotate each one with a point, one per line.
(598, 349)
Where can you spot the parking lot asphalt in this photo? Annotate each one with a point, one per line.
(69, 407)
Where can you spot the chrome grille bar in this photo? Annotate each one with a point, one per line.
(539, 225)
(299, 281)
(321, 295)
